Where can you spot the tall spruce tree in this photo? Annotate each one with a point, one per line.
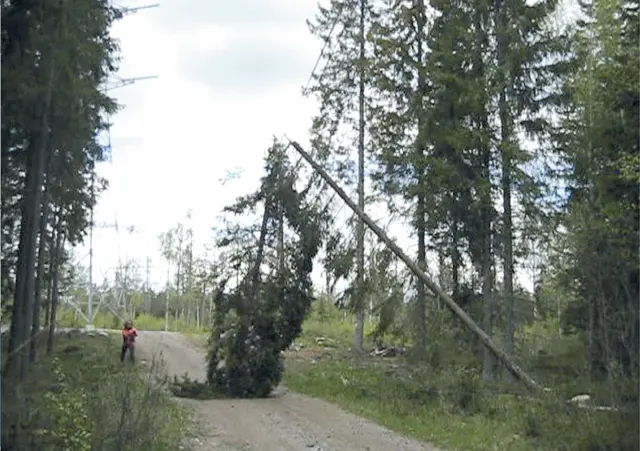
(341, 89)
(399, 124)
(599, 141)
(489, 89)
(56, 55)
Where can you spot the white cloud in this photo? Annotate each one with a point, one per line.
(177, 137)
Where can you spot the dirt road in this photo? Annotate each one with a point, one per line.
(285, 422)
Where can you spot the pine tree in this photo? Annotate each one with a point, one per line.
(486, 94)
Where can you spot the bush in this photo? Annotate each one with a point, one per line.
(443, 400)
(244, 357)
(71, 427)
(85, 399)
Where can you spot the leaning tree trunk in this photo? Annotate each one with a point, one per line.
(455, 308)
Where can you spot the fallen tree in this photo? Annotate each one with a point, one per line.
(455, 308)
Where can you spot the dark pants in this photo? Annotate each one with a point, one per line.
(123, 353)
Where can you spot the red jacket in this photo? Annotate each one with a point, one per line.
(129, 336)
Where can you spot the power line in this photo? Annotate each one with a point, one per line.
(121, 82)
(324, 47)
(126, 11)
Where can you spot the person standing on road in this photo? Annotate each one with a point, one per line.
(129, 334)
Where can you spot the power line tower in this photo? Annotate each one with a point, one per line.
(110, 85)
(118, 82)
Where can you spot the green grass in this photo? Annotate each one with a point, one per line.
(452, 407)
(84, 398)
(106, 320)
(404, 404)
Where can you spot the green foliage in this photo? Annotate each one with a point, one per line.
(324, 310)
(72, 426)
(326, 321)
(244, 360)
(554, 426)
(85, 399)
(599, 139)
(261, 317)
(451, 406)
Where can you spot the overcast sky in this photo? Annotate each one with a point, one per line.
(229, 78)
(230, 75)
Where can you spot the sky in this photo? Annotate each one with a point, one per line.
(229, 78)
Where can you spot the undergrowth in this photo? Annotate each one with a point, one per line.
(84, 398)
(444, 401)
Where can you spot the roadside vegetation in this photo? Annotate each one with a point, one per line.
(63, 393)
(502, 137)
(83, 398)
(67, 318)
(445, 402)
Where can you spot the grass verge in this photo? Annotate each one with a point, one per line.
(453, 409)
(84, 398)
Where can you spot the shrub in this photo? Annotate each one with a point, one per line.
(71, 425)
(85, 399)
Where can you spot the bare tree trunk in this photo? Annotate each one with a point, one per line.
(455, 308)
(55, 276)
(507, 232)
(489, 361)
(360, 232)
(421, 207)
(17, 362)
(488, 364)
(37, 303)
(507, 237)
(211, 306)
(455, 260)
(52, 253)
(421, 301)
(202, 303)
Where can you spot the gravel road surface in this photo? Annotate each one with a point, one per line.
(285, 422)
